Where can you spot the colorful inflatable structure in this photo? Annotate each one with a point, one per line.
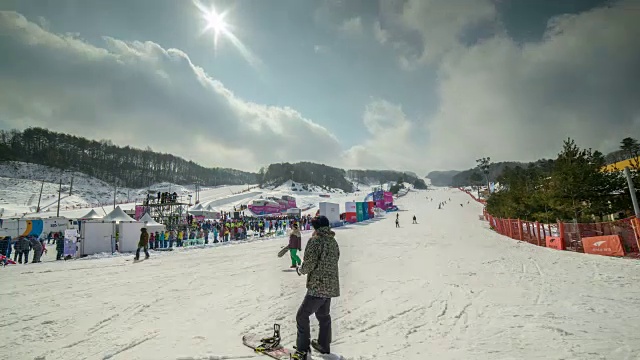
(272, 205)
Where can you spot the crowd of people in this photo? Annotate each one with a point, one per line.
(226, 229)
(22, 246)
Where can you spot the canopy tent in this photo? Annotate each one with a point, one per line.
(208, 212)
(197, 210)
(118, 215)
(91, 215)
(151, 224)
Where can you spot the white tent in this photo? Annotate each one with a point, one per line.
(151, 224)
(91, 215)
(118, 215)
(197, 210)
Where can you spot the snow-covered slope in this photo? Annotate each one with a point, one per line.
(446, 288)
(20, 188)
(20, 185)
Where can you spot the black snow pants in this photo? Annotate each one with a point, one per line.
(321, 307)
(146, 252)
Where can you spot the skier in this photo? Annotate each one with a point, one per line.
(143, 243)
(415, 221)
(397, 222)
(321, 267)
(295, 245)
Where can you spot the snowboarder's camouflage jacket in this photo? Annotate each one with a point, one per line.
(321, 264)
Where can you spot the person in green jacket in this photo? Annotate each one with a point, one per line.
(323, 283)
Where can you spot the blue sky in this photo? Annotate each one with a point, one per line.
(403, 84)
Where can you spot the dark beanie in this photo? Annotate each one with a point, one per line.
(319, 222)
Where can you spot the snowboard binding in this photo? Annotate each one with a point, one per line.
(270, 343)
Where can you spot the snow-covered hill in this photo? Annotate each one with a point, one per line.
(447, 288)
(20, 185)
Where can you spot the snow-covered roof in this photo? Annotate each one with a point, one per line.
(91, 215)
(118, 215)
(148, 219)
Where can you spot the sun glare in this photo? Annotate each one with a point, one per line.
(215, 22)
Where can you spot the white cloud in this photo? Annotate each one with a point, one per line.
(519, 102)
(438, 25)
(352, 26)
(380, 34)
(503, 99)
(138, 93)
(390, 145)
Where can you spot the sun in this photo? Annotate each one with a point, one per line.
(215, 22)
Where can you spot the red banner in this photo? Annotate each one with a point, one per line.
(554, 242)
(609, 245)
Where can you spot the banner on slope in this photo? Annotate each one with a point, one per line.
(370, 206)
(139, 212)
(70, 240)
(365, 210)
(350, 212)
(609, 245)
(359, 213)
(554, 242)
(388, 198)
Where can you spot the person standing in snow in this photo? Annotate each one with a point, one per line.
(397, 220)
(5, 246)
(37, 249)
(143, 243)
(323, 283)
(415, 221)
(59, 247)
(295, 245)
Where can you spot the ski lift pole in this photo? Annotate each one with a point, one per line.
(632, 191)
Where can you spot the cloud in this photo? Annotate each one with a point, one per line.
(428, 29)
(501, 98)
(510, 101)
(352, 26)
(392, 143)
(138, 93)
(380, 34)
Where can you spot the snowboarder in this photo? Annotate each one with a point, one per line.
(415, 221)
(143, 243)
(295, 245)
(321, 267)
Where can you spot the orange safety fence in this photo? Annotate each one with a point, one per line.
(614, 238)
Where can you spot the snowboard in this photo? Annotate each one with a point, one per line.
(283, 251)
(281, 353)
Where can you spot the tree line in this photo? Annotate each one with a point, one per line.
(331, 177)
(572, 186)
(123, 166)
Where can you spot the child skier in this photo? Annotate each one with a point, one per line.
(295, 245)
